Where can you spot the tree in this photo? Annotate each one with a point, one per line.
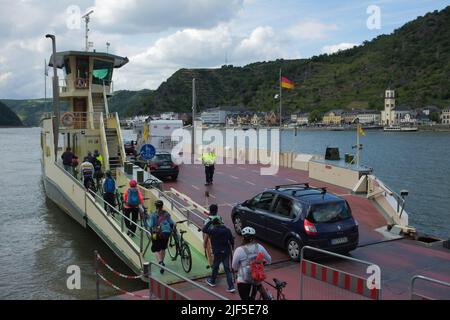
(434, 116)
(315, 116)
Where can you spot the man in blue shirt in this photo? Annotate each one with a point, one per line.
(222, 243)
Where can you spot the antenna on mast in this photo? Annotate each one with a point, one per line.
(87, 19)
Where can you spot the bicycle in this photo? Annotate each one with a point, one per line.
(151, 184)
(177, 246)
(278, 286)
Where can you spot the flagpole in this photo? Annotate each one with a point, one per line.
(281, 98)
(357, 146)
(45, 83)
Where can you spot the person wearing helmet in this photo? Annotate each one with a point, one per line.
(133, 199)
(161, 226)
(87, 173)
(242, 259)
(109, 192)
(222, 243)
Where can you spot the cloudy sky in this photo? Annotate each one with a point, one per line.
(161, 36)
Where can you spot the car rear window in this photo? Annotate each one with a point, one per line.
(162, 157)
(329, 212)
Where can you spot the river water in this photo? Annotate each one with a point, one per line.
(38, 242)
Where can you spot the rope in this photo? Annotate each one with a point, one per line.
(120, 289)
(121, 275)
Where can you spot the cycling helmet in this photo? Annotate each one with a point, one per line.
(133, 183)
(248, 232)
(159, 204)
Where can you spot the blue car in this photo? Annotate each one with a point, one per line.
(292, 216)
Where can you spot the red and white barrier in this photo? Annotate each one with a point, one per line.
(340, 279)
(121, 275)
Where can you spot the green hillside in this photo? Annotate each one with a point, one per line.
(8, 118)
(415, 60)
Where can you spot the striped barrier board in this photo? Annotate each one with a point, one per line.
(164, 292)
(340, 279)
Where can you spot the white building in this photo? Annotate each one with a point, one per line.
(303, 119)
(169, 116)
(369, 117)
(214, 116)
(388, 115)
(445, 116)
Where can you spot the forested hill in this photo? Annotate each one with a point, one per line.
(8, 118)
(414, 60)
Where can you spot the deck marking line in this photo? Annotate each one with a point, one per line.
(196, 188)
(235, 178)
(292, 180)
(251, 183)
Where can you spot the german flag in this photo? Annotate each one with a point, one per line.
(286, 83)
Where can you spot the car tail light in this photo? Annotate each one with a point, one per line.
(174, 166)
(310, 228)
(153, 167)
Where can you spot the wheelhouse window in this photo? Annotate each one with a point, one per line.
(67, 68)
(82, 68)
(102, 72)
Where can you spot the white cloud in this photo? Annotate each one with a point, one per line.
(142, 16)
(261, 44)
(338, 47)
(4, 77)
(311, 30)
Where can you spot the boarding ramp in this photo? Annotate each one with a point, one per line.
(336, 277)
(426, 288)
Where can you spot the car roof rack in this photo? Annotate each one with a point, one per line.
(304, 185)
(322, 190)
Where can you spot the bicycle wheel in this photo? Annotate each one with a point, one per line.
(186, 258)
(172, 247)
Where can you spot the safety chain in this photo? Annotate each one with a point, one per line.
(121, 275)
(120, 289)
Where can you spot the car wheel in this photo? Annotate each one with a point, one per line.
(237, 223)
(293, 248)
(174, 178)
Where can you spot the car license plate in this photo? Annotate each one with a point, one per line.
(165, 167)
(339, 241)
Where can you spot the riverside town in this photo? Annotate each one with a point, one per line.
(223, 152)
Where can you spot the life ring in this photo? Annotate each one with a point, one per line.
(81, 83)
(68, 119)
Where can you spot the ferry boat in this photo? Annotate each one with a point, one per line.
(400, 256)
(400, 129)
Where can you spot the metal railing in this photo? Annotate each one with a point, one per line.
(80, 120)
(187, 212)
(414, 295)
(333, 276)
(400, 200)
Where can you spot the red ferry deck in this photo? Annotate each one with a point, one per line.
(399, 259)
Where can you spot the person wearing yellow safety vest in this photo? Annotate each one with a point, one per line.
(98, 164)
(209, 160)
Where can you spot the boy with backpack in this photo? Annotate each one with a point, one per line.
(133, 199)
(249, 260)
(109, 192)
(161, 226)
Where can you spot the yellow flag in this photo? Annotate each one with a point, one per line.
(361, 131)
(146, 132)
